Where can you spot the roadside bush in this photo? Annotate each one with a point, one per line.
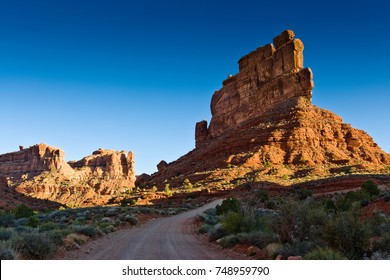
(205, 228)
(345, 233)
(74, 240)
(383, 244)
(34, 245)
(299, 220)
(228, 205)
(131, 219)
(5, 234)
(325, 253)
(89, 231)
(296, 249)
(257, 238)
(370, 188)
(57, 236)
(237, 222)
(216, 233)
(6, 252)
(229, 241)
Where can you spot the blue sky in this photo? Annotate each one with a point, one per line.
(138, 75)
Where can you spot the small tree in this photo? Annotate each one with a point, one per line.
(167, 190)
(187, 185)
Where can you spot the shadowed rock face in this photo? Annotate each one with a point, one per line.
(263, 116)
(41, 171)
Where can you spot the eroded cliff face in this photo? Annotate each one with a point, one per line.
(41, 172)
(264, 127)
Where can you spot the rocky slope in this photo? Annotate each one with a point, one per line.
(41, 172)
(265, 128)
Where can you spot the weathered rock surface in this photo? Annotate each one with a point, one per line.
(41, 172)
(264, 125)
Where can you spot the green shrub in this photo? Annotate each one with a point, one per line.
(257, 238)
(7, 219)
(345, 233)
(6, 252)
(89, 231)
(216, 233)
(296, 249)
(205, 228)
(299, 220)
(371, 188)
(302, 194)
(34, 245)
(237, 222)
(5, 234)
(262, 195)
(33, 221)
(131, 219)
(23, 211)
(229, 241)
(383, 244)
(325, 253)
(128, 202)
(228, 205)
(47, 226)
(57, 236)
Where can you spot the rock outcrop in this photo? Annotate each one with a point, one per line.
(41, 172)
(264, 126)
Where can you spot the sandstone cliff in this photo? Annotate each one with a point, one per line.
(264, 127)
(41, 172)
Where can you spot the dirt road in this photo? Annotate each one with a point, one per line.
(160, 239)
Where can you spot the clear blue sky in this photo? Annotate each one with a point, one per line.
(138, 75)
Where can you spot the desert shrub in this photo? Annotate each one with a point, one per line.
(111, 212)
(57, 236)
(296, 249)
(344, 232)
(325, 253)
(5, 234)
(7, 219)
(47, 226)
(128, 202)
(24, 229)
(370, 188)
(74, 240)
(187, 185)
(228, 205)
(88, 230)
(131, 219)
(236, 222)
(364, 202)
(6, 252)
(229, 241)
(167, 190)
(34, 245)
(302, 194)
(205, 228)
(350, 201)
(383, 244)
(257, 238)
(262, 195)
(216, 233)
(23, 211)
(33, 222)
(299, 220)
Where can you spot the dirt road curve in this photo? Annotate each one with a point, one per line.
(163, 238)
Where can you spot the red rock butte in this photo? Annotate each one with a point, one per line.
(264, 116)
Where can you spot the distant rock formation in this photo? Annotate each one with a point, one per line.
(263, 123)
(41, 171)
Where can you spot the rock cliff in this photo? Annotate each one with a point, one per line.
(264, 127)
(41, 172)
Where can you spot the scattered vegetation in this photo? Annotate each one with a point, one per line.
(301, 225)
(27, 234)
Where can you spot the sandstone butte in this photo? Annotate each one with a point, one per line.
(264, 127)
(41, 172)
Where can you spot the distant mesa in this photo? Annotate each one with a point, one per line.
(264, 127)
(41, 171)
